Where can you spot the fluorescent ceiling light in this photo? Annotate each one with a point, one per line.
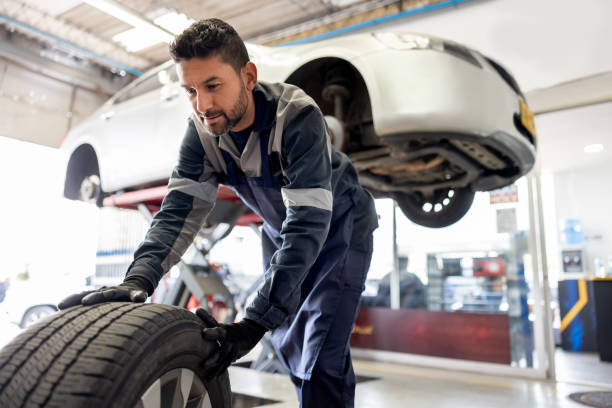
(593, 148)
(139, 38)
(136, 39)
(174, 22)
(124, 14)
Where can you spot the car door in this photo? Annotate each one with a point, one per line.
(173, 111)
(128, 132)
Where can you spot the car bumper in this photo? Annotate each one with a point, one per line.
(427, 91)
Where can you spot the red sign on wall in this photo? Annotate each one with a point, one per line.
(489, 267)
(508, 194)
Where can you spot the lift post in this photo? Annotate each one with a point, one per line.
(197, 277)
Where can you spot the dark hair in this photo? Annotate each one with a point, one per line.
(207, 38)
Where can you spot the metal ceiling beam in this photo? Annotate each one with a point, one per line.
(36, 23)
(87, 79)
(323, 18)
(586, 91)
(341, 22)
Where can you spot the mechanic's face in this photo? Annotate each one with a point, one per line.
(221, 98)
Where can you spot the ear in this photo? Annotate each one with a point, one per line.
(249, 75)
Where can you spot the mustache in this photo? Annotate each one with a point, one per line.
(212, 114)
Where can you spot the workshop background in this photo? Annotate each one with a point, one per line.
(496, 296)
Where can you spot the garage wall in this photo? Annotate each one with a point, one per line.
(585, 194)
(36, 108)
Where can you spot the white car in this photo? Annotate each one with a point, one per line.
(26, 302)
(424, 120)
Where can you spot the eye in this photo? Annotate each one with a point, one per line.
(190, 91)
(212, 87)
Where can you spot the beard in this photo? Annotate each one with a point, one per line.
(230, 119)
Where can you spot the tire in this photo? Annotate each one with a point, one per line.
(445, 208)
(34, 314)
(111, 355)
(83, 181)
(90, 190)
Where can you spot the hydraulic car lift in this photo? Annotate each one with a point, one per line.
(197, 279)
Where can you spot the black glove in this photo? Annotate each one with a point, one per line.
(233, 340)
(128, 291)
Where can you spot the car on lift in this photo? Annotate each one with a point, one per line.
(426, 121)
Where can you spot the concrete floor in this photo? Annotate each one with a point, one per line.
(583, 367)
(408, 386)
(397, 385)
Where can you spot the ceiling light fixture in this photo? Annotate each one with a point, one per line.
(593, 148)
(122, 13)
(139, 38)
(136, 39)
(174, 22)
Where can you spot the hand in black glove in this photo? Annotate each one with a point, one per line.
(128, 291)
(233, 340)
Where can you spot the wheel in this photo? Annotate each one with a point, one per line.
(90, 188)
(112, 355)
(34, 314)
(443, 208)
(83, 181)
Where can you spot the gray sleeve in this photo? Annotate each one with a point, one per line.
(192, 191)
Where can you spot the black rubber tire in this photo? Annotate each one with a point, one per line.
(412, 207)
(105, 355)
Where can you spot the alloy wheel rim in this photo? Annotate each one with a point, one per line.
(178, 388)
(35, 316)
(89, 187)
(438, 204)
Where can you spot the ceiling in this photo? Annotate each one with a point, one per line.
(88, 31)
(538, 58)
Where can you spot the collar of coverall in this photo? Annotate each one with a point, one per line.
(265, 108)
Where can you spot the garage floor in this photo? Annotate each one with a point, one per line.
(583, 367)
(405, 386)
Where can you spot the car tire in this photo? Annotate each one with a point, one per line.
(36, 313)
(452, 207)
(90, 189)
(112, 355)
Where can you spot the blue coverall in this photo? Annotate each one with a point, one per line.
(316, 237)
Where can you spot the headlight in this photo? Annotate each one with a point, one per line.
(407, 41)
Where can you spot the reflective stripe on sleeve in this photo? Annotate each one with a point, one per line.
(202, 190)
(312, 197)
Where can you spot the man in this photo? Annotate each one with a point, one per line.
(270, 143)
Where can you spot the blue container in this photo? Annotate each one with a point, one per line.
(572, 232)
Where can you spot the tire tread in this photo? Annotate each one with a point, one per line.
(79, 353)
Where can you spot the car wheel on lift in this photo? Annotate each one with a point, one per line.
(90, 189)
(112, 355)
(441, 209)
(34, 314)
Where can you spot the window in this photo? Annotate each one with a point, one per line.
(153, 81)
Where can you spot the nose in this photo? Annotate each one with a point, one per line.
(203, 102)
